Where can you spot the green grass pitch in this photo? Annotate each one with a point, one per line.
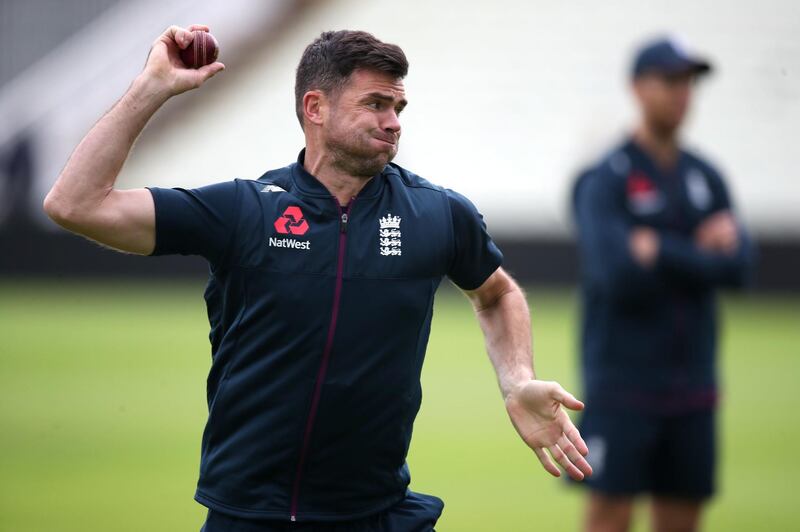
(102, 404)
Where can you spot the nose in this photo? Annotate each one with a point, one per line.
(683, 95)
(391, 122)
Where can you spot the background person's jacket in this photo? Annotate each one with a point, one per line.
(649, 334)
(320, 317)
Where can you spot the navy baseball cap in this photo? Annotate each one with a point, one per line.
(665, 56)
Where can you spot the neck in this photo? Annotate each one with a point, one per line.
(662, 146)
(343, 186)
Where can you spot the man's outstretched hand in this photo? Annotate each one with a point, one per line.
(537, 411)
(164, 65)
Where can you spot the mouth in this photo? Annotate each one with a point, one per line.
(387, 140)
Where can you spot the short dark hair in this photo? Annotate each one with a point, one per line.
(327, 62)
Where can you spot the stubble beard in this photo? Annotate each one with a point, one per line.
(356, 159)
(665, 128)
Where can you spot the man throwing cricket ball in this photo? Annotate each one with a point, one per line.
(320, 296)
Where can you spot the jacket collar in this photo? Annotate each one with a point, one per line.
(644, 159)
(311, 186)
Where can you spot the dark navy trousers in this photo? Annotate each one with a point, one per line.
(416, 513)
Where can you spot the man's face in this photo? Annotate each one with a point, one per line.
(362, 129)
(664, 99)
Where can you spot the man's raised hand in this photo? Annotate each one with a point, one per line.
(164, 65)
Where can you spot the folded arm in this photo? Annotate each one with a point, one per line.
(720, 253)
(633, 262)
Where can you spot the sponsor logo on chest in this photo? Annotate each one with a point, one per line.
(291, 243)
(644, 197)
(291, 222)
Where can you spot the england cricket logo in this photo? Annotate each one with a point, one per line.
(389, 235)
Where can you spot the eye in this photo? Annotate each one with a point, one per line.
(374, 105)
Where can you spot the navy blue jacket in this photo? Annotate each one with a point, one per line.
(649, 335)
(320, 316)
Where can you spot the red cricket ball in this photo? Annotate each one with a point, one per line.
(203, 50)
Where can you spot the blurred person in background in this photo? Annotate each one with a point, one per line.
(658, 236)
(320, 297)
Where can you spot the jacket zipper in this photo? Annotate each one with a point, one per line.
(344, 215)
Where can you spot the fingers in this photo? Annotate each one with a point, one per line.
(565, 398)
(729, 237)
(577, 469)
(546, 428)
(183, 37)
(548, 464)
(568, 456)
(718, 236)
(569, 450)
(192, 78)
(209, 71)
(575, 456)
(178, 35)
(562, 459)
(574, 437)
(702, 237)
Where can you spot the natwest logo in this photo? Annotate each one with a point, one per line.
(644, 197)
(289, 243)
(291, 222)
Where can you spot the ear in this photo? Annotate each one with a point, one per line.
(315, 107)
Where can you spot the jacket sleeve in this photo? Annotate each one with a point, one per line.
(199, 221)
(603, 234)
(680, 258)
(475, 255)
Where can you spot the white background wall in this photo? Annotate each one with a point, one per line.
(509, 98)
